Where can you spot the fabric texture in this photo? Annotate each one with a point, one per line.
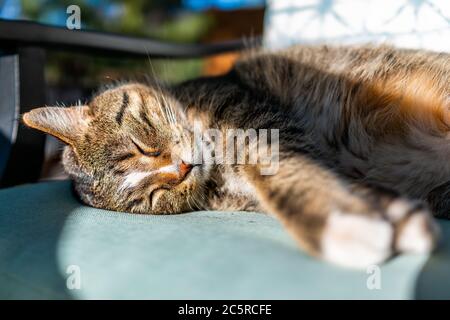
(47, 238)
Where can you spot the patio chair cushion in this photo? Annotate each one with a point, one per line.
(50, 244)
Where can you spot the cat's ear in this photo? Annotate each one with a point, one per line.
(65, 124)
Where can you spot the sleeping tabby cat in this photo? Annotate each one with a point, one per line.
(363, 147)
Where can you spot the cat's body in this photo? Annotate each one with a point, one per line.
(375, 115)
(353, 122)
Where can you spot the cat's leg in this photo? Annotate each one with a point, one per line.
(344, 223)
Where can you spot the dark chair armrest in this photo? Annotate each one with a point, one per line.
(19, 33)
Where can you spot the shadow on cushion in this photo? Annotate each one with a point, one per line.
(202, 255)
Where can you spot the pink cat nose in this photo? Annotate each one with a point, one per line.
(185, 168)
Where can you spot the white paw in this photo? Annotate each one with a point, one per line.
(416, 230)
(356, 240)
(419, 233)
(359, 240)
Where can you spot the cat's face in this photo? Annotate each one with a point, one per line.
(129, 150)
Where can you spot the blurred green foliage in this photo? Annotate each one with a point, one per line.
(160, 19)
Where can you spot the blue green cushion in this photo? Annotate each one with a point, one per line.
(202, 255)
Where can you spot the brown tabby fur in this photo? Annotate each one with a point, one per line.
(359, 126)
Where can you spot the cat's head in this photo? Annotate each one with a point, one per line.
(129, 149)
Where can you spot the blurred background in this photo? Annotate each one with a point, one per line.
(186, 21)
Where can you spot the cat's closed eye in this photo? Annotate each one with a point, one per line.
(148, 153)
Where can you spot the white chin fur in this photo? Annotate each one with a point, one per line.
(132, 179)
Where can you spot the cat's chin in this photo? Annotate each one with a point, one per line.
(155, 196)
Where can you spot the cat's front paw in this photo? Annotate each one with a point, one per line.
(358, 240)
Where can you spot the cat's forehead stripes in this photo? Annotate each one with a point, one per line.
(125, 102)
(144, 117)
(138, 102)
(133, 101)
(145, 106)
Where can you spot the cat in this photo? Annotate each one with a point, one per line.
(362, 151)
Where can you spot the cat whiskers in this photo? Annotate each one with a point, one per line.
(169, 113)
(164, 106)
